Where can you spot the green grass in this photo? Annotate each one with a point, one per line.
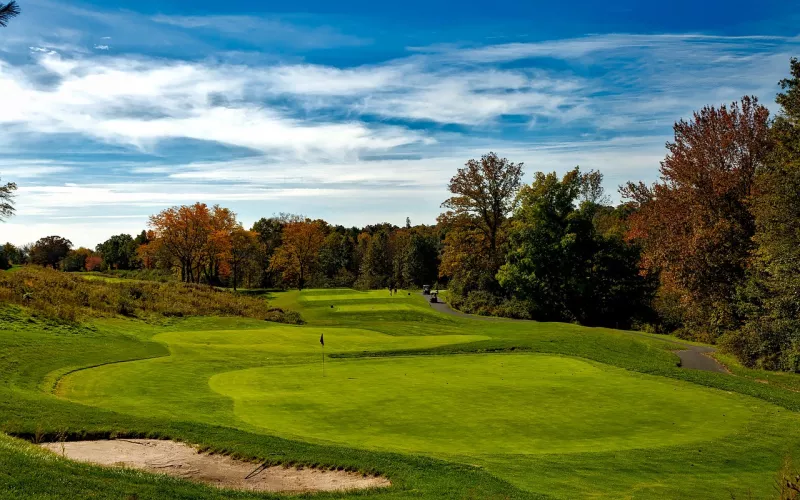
(447, 407)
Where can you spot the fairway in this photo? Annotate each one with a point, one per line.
(527, 408)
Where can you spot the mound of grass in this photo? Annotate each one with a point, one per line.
(71, 298)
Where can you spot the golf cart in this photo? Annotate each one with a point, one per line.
(434, 297)
(426, 289)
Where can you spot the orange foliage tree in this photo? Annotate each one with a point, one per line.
(298, 254)
(196, 237)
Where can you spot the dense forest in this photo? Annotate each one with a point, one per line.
(711, 251)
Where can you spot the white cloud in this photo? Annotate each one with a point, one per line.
(142, 101)
(101, 47)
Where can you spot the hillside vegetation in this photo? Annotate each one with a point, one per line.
(73, 297)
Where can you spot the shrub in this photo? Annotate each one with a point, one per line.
(69, 297)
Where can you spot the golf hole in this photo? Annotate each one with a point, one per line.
(183, 461)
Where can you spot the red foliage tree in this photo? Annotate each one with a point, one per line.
(694, 224)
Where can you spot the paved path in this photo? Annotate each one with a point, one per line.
(693, 357)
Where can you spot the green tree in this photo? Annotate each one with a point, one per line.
(5, 259)
(771, 304)
(119, 251)
(484, 194)
(376, 268)
(336, 259)
(15, 254)
(421, 260)
(7, 200)
(7, 11)
(50, 251)
(561, 267)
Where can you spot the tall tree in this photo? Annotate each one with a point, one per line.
(49, 251)
(421, 259)
(561, 267)
(7, 11)
(183, 232)
(694, 225)
(484, 194)
(7, 200)
(771, 334)
(270, 231)
(298, 254)
(376, 268)
(244, 251)
(118, 252)
(217, 248)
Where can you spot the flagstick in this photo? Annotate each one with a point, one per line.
(323, 360)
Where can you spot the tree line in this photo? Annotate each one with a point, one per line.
(202, 244)
(710, 251)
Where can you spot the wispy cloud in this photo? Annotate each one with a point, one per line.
(242, 110)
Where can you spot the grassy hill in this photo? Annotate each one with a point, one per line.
(446, 407)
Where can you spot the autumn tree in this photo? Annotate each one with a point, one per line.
(183, 232)
(269, 231)
(694, 225)
(153, 254)
(244, 248)
(299, 251)
(7, 200)
(75, 260)
(49, 251)
(216, 252)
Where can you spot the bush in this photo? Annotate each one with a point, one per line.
(515, 308)
(69, 297)
(159, 275)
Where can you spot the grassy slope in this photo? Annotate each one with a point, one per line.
(32, 354)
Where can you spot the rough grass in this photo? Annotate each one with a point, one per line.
(71, 298)
(626, 424)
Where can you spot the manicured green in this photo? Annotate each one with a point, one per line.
(447, 407)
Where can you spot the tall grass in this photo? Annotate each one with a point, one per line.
(67, 297)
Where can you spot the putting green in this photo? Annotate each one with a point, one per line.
(480, 405)
(177, 386)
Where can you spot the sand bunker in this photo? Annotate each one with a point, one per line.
(181, 460)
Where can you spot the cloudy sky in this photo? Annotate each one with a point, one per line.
(353, 112)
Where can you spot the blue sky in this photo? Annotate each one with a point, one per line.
(356, 113)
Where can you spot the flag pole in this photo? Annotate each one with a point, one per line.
(322, 343)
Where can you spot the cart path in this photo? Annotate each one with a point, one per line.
(693, 357)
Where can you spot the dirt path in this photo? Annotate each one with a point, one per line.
(183, 461)
(692, 357)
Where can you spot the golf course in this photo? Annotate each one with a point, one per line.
(443, 406)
